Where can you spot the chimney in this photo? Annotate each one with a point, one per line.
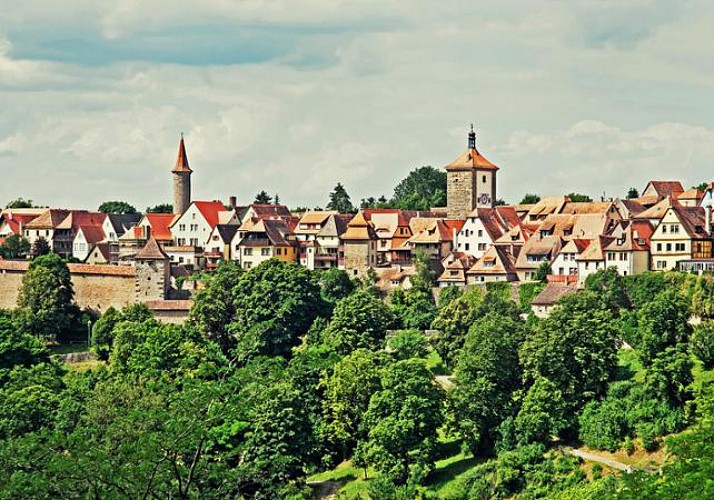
(233, 202)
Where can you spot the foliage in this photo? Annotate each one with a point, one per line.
(526, 472)
(348, 389)
(446, 295)
(423, 188)
(15, 246)
(275, 304)
(663, 322)
(406, 344)
(541, 274)
(340, 200)
(46, 298)
(414, 307)
(453, 322)
(544, 413)
(359, 321)
(263, 198)
(487, 373)
(20, 203)
(610, 288)
(161, 208)
(577, 197)
(632, 193)
(116, 207)
(335, 284)
(575, 348)
(214, 308)
(18, 349)
(103, 333)
(530, 199)
(40, 247)
(402, 422)
(701, 343)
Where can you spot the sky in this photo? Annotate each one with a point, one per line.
(293, 97)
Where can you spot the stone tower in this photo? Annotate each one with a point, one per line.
(470, 182)
(153, 273)
(182, 180)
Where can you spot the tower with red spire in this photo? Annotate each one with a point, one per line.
(182, 180)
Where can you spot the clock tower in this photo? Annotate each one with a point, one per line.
(470, 182)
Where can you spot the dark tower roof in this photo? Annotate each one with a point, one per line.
(182, 159)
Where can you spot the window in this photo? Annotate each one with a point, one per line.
(182, 227)
(482, 246)
(679, 247)
(659, 247)
(483, 179)
(247, 251)
(265, 252)
(675, 228)
(664, 228)
(669, 247)
(278, 251)
(247, 265)
(480, 233)
(466, 246)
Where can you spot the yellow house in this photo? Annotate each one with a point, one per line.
(683, 233)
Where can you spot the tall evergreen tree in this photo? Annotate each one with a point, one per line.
(340, 200)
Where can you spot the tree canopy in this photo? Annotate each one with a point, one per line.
(423, 188)
(116, 207)
(340, 200)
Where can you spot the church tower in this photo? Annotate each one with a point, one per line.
(470, 182)
(182, 180)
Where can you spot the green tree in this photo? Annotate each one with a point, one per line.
(577, 197)
(542, 272)
(446, 295)
(18, 349)
(702, 343)
(103, 333)
(453, 322)
(275, 304)
(670, 376)
(335, 284)
(702, 186)
(359, 321)
(487, 373)
(20, 203)
(340, 200)
(610, 288)
(543, 413)
(575, 348)
(40, 247)
(402, 421)
(14, 247)
(161, 208)
(263, 198)
(530, 199)
(213, 308)
(662, 323)
(46, 298)
(407, 344)
(348, 389)
(632, 193)
(423, 188)
(414, 307)
(116, 207)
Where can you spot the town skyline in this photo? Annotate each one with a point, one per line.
(578, 97)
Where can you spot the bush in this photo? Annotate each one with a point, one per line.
(406, 344)
(647, 433)
(603, 425)
(702, 343)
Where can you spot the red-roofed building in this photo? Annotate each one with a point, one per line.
(483, 227)
(13, 220)
(193, 229)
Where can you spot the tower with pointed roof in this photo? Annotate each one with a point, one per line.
(470, 182)
(182, 180)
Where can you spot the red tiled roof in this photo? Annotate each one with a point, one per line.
(182, 159)
(151, 251)
(471, 158)
(667, 188)
(210, 210)
(160, 224)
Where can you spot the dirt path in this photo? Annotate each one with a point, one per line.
(593, 457)
(325, 490)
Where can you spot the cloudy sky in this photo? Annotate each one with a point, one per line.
(294, 96)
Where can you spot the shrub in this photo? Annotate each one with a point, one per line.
(702, 343)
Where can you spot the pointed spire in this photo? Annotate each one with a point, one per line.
(472, 138)
(182, 159)
(151, 251)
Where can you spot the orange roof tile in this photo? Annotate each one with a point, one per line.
(210, 211)
(182, 159)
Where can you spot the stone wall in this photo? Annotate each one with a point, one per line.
(95, 287)
(460, 193)
(357, 257)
